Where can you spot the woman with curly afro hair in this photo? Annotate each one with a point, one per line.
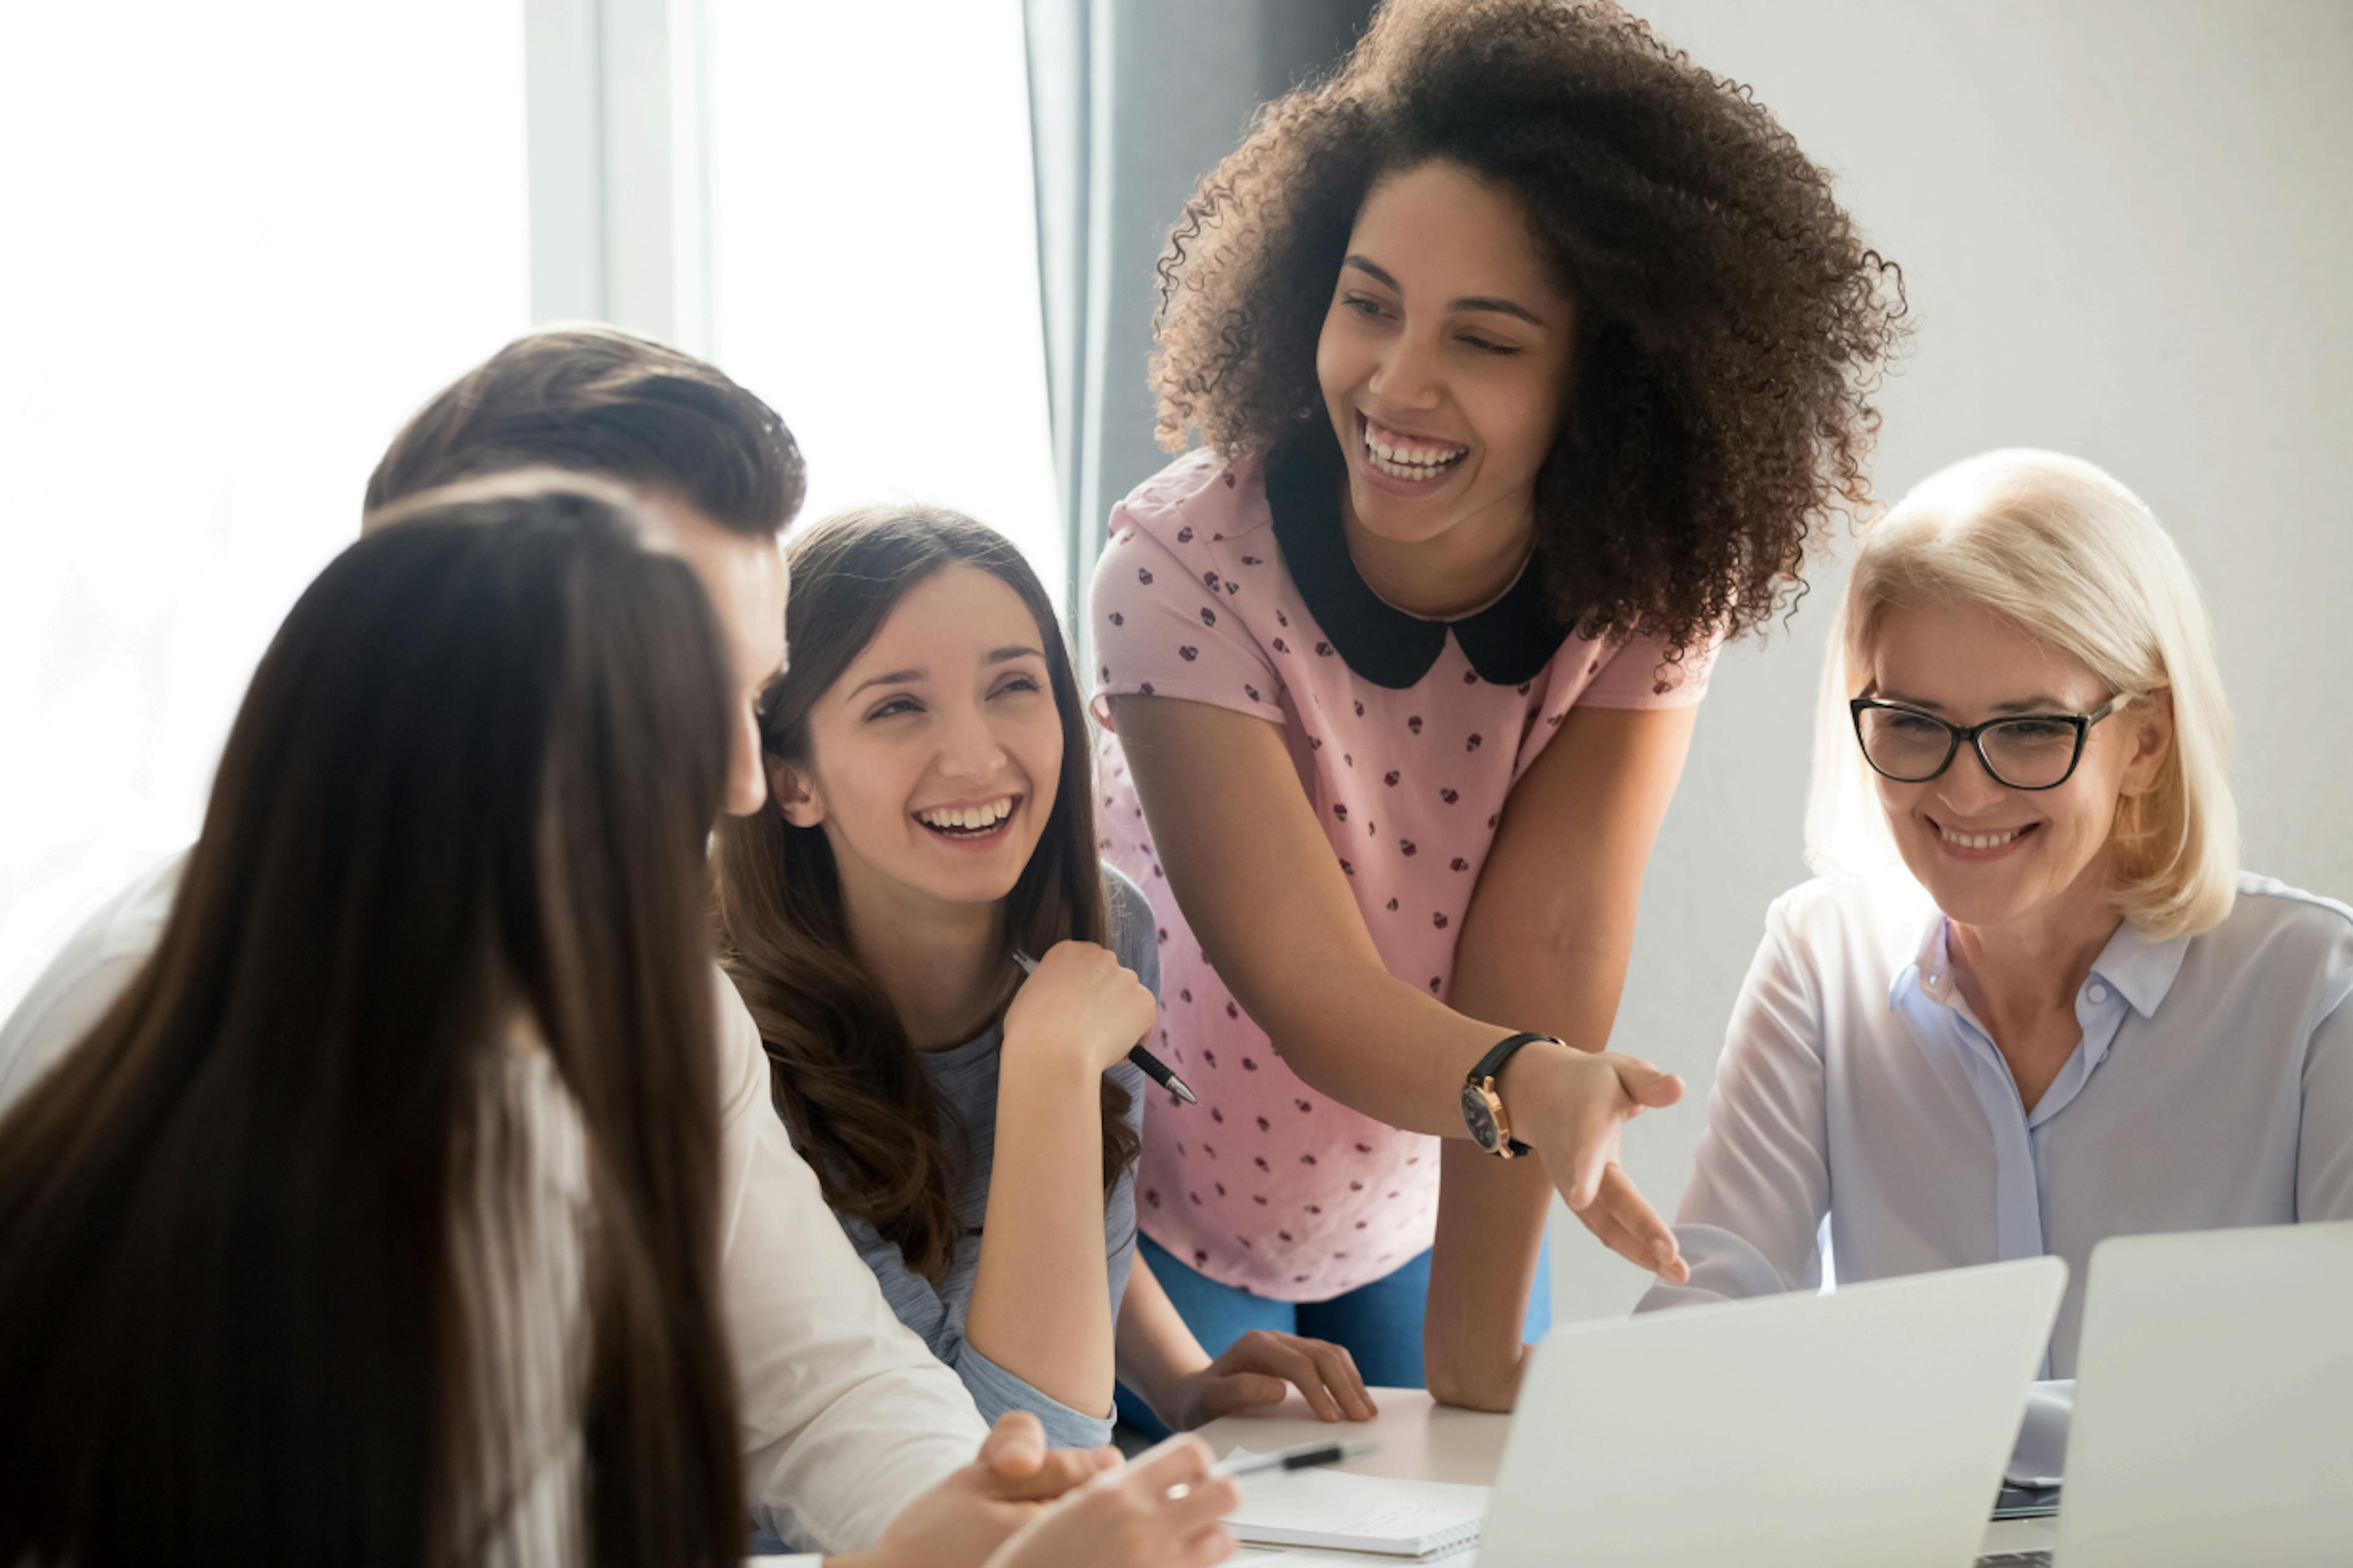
(1526, 359)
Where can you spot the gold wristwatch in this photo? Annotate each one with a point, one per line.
(1483, 1107)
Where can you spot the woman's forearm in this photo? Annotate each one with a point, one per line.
(1552, 964)
(1490, 1222)
(1492, 1213)
(1335, 1024)
(1040, 1303)
(1155, 1349)
(1373, 1042)
(1552, 917)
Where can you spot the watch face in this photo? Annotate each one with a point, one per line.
(1480, 1117)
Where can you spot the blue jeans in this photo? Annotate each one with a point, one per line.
(1380, 1322)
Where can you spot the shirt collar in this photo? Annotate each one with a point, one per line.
(1930, 971)
(2141, 967)
(1507, 642)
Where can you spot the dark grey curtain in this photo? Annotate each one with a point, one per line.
(1131, 102)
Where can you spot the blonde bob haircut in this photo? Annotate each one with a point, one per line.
(2080, 564)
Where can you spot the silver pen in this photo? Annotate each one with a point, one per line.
(1153, 1067)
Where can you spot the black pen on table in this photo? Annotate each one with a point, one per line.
(1153, 1067)
(1336, 1452)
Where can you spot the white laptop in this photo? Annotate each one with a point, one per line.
(1864, 1427)
(2214, 1403)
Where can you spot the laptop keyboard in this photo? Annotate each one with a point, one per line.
(2015, 1559)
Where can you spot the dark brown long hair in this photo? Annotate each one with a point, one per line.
(1732, 325)
(846, 1081)
(229, 1309)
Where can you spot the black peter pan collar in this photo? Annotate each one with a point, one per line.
(1508, 643)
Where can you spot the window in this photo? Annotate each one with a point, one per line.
(251, 240)
(244, 242)
(874, 276)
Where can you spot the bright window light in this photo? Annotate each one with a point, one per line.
(874, 252)
(244, 242)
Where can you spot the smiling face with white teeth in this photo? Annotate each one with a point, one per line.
(1992, 856)
(1444, 363)
(935, 758)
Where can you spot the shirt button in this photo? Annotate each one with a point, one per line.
(2098, 993)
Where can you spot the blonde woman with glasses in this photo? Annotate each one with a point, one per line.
(2033, 1001)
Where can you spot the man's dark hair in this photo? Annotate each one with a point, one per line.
(596, 400)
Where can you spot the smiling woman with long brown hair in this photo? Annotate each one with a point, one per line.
(377, 1222)
(975, 1132)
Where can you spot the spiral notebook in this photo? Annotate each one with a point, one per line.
(1416, 1521)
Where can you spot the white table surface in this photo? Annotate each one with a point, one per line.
(1422, 1440)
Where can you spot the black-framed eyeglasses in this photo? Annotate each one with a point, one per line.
(2023, 751)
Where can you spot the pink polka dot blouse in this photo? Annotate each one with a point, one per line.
(1407, 735)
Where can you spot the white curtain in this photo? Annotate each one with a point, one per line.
(1131, 101)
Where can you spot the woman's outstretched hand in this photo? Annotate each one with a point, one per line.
(1572, 1107)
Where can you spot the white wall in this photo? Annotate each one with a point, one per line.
(2127, 226)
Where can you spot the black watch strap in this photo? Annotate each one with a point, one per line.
(1493, 1063)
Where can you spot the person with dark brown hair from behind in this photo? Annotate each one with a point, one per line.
(845, 1417)
(376, 1220)
(711, 468)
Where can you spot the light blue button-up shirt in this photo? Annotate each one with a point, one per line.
(2213, 1087)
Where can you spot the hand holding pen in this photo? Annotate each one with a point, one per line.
(1153, 1067)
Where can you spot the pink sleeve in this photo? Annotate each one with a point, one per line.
(1160, 631)
(1638, 675)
